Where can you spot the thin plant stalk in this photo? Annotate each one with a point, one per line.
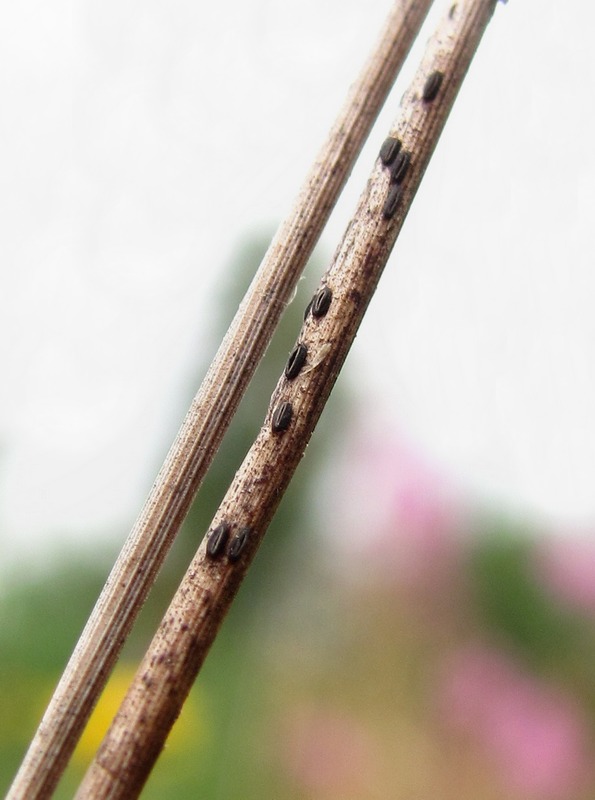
(210, 414)
(169, 668)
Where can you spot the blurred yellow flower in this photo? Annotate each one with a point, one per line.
(188, 731)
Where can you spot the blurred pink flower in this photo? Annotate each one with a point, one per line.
(399, 511)
(536, 738)
(565, 567)
(329, 753)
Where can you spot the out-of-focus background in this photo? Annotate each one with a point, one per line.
(420, 619)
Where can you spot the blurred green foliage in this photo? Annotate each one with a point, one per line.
(511, 603)
(512, 606)
(39, 621)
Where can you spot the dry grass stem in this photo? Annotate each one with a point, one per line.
(182, 641)
(210, 414)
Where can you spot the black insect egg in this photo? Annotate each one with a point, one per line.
(296, 361)
(400, 167)
(217, 540)
(238, 543)
(388, 151)
(432, 86)
(321, 302)
(281, 417)
(392, 201)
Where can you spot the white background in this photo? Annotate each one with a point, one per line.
(143, 140)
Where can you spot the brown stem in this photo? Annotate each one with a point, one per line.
(190, 625)
(210, 414)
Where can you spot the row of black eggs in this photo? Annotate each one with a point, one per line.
(219, 537)
(317, 307)
(398, 159)
(282, 415)
(393, 156)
